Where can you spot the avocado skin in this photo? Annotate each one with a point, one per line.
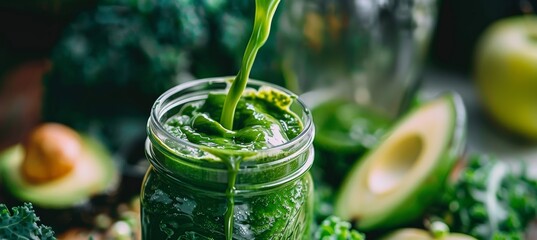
(413, 207)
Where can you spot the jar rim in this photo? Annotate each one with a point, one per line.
(159, 105)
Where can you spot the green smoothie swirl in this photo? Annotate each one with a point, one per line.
(262, 120)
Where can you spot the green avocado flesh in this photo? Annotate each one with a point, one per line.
(420, 234)
(398, 178)
(95, 173)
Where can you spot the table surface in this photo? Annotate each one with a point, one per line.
(483, 135)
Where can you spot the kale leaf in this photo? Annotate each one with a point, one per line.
(490, 200)
(114, 46)
(22, 224)
(183, 24)
(333, 228)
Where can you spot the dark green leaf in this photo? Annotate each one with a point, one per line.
(21, 223)
(491, 200)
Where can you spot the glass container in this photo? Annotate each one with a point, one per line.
(184, 191)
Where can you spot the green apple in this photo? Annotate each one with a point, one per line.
(506, 73)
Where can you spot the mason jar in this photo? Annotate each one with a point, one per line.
(184, 191)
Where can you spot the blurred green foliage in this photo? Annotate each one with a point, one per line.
(112, 62)
(333, 228)
(22, 223)
(491, 200)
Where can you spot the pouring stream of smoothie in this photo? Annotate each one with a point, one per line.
(264, 12)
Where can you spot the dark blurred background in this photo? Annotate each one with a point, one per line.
(459, 26)
(30, 29)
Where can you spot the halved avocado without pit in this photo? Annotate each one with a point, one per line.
(91, 172)
(402, 175)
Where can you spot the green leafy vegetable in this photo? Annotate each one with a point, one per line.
(108, 69)
(113, 61)
(333, 228)
(491, 200)
(22, 224)
(181, 23)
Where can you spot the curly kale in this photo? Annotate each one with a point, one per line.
(213, 32)
(22, 224)
(108, 69)
(183, 23)
(114, 46)
(333, 228)
(491, 200)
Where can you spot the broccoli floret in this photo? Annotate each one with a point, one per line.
(22, 224)
(491, 200)
(333, 228)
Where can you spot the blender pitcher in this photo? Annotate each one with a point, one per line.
(357, 64)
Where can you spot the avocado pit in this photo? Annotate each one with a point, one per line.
(51, 153)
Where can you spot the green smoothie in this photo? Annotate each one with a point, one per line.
(240, 135)
(184, 212)
(207, 182)
(262, 120)
(264, 13)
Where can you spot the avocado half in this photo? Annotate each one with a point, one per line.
(402, 175)
(95, 173)
(420, 234)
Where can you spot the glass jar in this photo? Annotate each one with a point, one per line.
(184, 191)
